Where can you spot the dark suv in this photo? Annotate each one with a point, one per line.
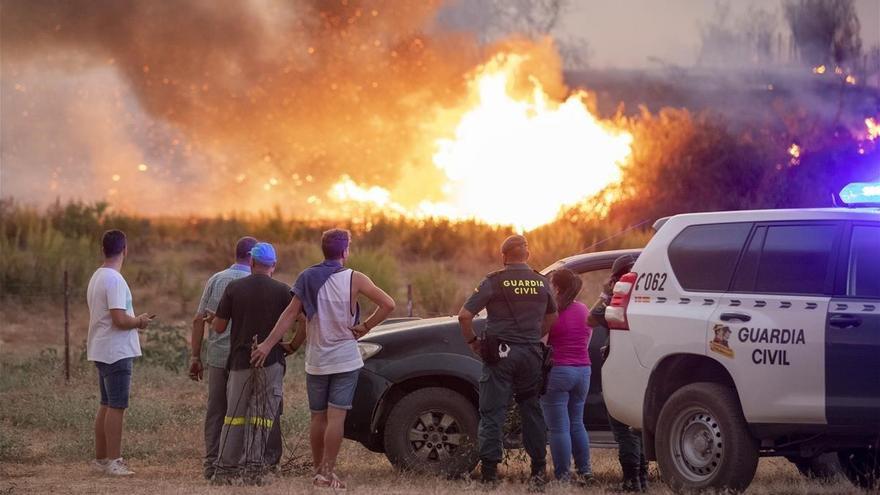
(416, 398)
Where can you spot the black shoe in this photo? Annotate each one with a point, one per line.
(489, 474)
(221, 479)
(583, 480)
(630, 479)
(537, 482)
(628, 486)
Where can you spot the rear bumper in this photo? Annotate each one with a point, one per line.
(359, 420)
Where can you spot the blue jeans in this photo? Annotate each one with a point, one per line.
(563, 404)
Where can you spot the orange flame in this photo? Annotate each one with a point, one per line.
(513, 160)
(873, 127)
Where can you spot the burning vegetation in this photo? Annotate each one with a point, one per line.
(357, 108)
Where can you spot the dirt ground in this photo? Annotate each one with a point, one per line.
(365, 472)
(46, 431)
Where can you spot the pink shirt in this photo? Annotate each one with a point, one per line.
(570, 336)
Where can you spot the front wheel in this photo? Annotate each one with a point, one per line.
(703, 441)
(861, 467)
(433, 431)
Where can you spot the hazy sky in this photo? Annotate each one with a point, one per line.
(626, 33)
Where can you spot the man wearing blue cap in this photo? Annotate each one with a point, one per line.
(253, 305)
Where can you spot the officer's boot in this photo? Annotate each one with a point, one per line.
(489, 474)
(630, 479)
(538, 479)
(643, 473)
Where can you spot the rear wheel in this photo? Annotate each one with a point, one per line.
(433, 431)
(861, 467)
(703, 441)
(823, 467)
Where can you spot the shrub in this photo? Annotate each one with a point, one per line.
(12, 446)
(435, 289)
(165, 346)
(380, 266)
(36, 254)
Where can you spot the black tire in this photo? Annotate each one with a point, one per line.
(703, 442)
(861, 467)
(433, 431)
(824, 467)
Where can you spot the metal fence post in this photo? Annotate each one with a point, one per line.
(409, 300)
(66, 329)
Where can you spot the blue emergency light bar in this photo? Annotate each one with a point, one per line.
(861, 194)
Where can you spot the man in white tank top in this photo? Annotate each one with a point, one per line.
(327, 293)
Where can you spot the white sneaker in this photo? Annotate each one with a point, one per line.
(100, 465)
(117, 467)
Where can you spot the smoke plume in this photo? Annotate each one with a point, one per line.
(190, 106)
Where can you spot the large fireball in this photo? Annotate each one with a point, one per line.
(514, 160)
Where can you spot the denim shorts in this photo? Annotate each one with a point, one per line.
(336, 390)
(115, 382)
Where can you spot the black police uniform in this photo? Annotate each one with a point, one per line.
(516, 300)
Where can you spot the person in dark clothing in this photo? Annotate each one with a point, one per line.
(520, 311)
(630, 453)
(253, 305)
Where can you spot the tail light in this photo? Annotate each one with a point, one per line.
(615, 312)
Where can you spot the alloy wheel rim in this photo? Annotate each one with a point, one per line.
(435, 436)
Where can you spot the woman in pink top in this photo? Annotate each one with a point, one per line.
(569, 380)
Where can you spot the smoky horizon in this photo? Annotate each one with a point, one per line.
(322, 109)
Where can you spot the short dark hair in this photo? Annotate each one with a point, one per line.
(243, 248)
(113, 243)
(515, 247)
(334, 242)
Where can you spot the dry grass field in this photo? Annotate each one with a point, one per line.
(46, 423)
(46, 440)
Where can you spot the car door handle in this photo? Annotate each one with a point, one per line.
(735, 316)
(844, 321)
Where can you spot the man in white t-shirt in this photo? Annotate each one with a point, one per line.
(112, 344)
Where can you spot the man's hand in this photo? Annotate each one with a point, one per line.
(209, 316)
(359, 330)
(144, 320)
(475, 348)
(259, 355)
(195, 369)
(608, 288)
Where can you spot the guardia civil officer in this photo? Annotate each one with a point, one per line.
(520, 311)
(629, 441)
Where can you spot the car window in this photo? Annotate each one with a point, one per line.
(796, 259)
(864, 262)
(592, 288)
(703, 257)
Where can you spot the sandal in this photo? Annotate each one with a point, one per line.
(336, 484)
(320, 481)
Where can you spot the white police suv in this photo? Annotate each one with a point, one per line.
(753, 333)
